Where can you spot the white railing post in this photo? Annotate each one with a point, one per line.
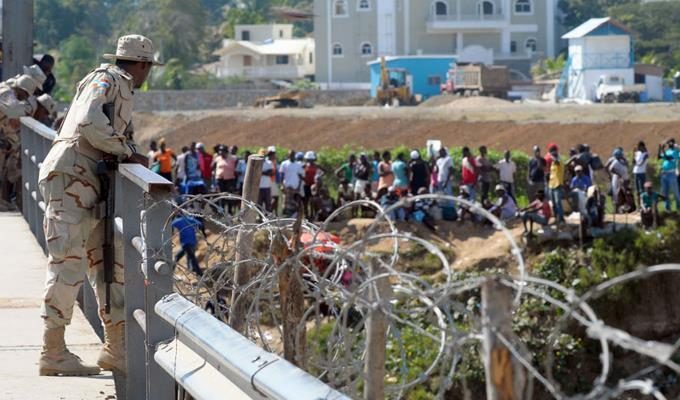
(142, 210)
(159, 283)
(129, 201)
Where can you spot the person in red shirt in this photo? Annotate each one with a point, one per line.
(312, 171)
(538, 211)
(205, 160)
(470, 172)
(548, 160)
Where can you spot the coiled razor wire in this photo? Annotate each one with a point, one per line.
(341, 286)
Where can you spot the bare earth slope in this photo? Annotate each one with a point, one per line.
(500, 126)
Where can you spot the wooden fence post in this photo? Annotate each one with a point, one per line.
(291, 294)
(244, 243)
(376, 336)
(505, 377)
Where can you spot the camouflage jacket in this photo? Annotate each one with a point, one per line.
(87, 134)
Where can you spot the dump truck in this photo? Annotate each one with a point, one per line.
(395, 88)
(476, 79)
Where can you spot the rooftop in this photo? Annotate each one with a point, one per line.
(594, 24)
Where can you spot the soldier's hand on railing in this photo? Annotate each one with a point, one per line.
(137, 158)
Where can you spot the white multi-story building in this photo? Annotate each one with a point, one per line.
(265, 52)
(349, 33)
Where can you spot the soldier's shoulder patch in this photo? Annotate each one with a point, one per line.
(102, 83)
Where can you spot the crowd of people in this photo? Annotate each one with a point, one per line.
(26, 94)
(555, 185)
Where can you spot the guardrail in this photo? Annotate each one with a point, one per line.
(173, 346)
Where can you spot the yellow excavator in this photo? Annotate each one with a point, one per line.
(394, 88)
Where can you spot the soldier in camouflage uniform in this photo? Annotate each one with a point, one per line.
(70, 188)
(46, 112)
(16, 100)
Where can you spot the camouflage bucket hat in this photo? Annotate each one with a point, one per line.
(36, 74)
(134, 48)
(25, 83)
(47, 101)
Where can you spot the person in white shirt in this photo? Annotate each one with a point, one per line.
(444, 172)
(641, 158)
(292, 173)
(153, 148)
(265, 197)
(180, 166)
(505, 207)
(506, 171)
(618, 170)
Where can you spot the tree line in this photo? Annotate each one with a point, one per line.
(185, 32)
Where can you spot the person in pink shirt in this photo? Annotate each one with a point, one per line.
(385, 171)
(470, 172)
(224, 169)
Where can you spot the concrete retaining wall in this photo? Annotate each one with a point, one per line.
(170, 100)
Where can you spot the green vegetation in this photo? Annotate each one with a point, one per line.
(185, 32)
(550, 67)
(535, 320)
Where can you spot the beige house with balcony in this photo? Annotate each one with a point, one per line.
(265, 52)
(350, 33)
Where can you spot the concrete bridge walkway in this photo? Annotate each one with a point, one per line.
(22, 275)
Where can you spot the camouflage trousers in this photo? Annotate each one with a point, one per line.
(74, 243)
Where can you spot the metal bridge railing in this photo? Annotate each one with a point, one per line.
(173, 347)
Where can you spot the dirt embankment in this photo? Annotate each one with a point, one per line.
(379, 131)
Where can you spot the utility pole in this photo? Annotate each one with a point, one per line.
(17, 36)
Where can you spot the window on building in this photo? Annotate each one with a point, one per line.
(523, 7)
(337, 50)
(531, 44)
(311, 58)
(245, 35)
(364, 5)
(434, 80)
(280, 34)
(513, 46)
(485, 7)
(340, 8)
(282, 60)
(366, 49)
(441, 8)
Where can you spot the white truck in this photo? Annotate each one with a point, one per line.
(613, 89)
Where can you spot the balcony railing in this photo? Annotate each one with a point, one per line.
(275, 71)
(466, 17)
(602, 60)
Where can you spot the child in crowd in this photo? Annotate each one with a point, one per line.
(538, 211)
(324, 205)
(595, 207)
(465, 211)
(421, 210)
(649, 210)
(388, 200)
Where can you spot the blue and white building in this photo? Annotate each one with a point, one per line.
(599, 47)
